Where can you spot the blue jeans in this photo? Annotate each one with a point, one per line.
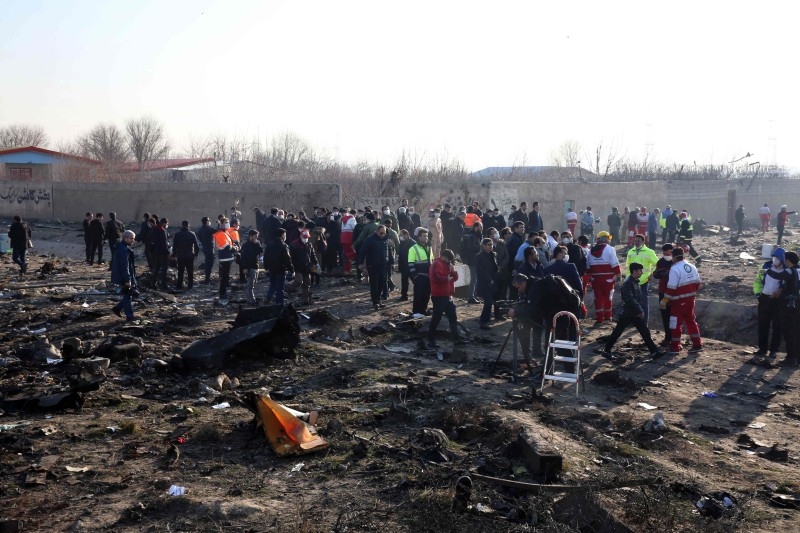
(18, 256)
(473, 281)
(486, 313)
(125, 304)
(277, 282)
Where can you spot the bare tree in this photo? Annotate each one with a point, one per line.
(146, 141)
(18, 135)
(290, 152)
(106, 143)
(604, 159)
(567, 154)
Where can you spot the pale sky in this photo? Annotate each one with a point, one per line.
(486, 83)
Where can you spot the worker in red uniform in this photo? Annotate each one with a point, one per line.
(603, 267)
(682, 287)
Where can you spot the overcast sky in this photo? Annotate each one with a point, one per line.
(486, 83)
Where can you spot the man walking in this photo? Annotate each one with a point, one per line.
(783, 219)
(251, 251)
(97, 235)
(642, 255)
(114, 230)
(443, 277)
(632, 313)
(18, 235)
(123, 273)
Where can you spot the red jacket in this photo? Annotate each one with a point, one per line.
(442, 280)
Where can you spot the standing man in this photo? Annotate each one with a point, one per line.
(87, 239)
(587, 224)
(672, 225)
(486, 273)
(632, 313)
(406, 242)
(503, 274)
(18, 235)
(535, 221)
(277, 262)
(767, 287)
(185, 248)
(572, 220)
(470, 247)
(682, 287)
(97, 235)
(653, 224)
(443, 277)
(663, 224)
(144, 237)
(646, 257)
(662, 275)
(376, 255)
(614, 222)
(418, 261)
(633, 217)
(520, 215)
(206, 237)
(603, 267)
(251, 251)
(348, 224)
(271, 225)
(740, 217)
(123, 273)
(224, 247)
(303, 258)
(783, 219)
(159, 238)
(642, 219)
(790, 298)
(114, 230)
(764, 215)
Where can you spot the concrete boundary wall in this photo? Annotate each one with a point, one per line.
(713, 201)
(69, 201)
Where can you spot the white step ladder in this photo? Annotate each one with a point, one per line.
(552, 357)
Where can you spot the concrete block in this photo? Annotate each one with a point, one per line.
(542, 459)
(125, 351)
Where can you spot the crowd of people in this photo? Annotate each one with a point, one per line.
(504, 256)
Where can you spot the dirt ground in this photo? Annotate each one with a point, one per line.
(105, 459)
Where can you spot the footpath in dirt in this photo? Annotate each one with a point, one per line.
(114, 425)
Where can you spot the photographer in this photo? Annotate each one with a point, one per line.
(527, 319)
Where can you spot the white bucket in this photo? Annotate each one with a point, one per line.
(5, 243)
(766, 251)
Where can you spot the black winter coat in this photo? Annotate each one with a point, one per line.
(185, 245)
(470, 247)
(277, 259)
(486, 269)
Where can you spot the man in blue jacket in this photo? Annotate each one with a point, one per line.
(123, 273)
(563, 268)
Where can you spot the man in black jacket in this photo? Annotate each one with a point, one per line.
(520, 215)
(18, 234)
(486, 283)
(277, 262)
(86, 237)
(376, 255)
(144, 237)
(470, 247)
(250, 252)
(303, 258)
(632, 313)
(114, 230)
(206, 237)
(96, 235)
(185, 248)
(271, 226)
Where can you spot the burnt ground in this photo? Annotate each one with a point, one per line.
(402, 425)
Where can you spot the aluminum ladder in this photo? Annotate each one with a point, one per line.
(552, 357)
